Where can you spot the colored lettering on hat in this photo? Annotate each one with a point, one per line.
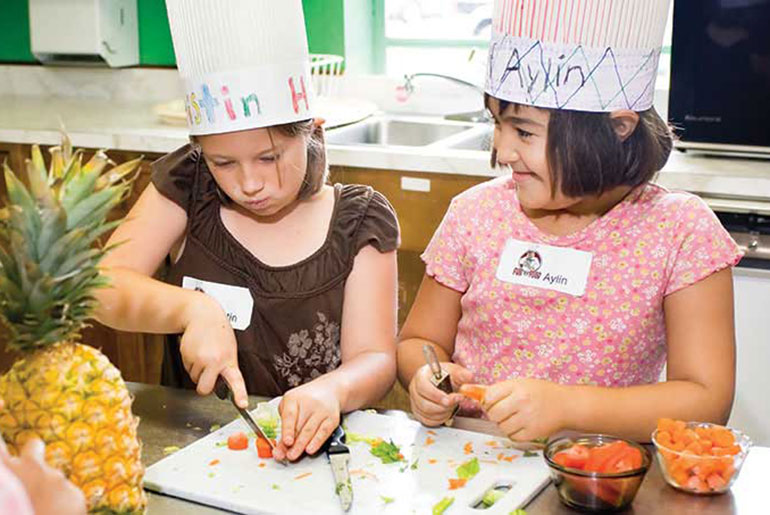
(211, 104)
(296, 96)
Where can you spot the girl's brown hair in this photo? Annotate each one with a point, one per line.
(316, 171)
(586, 156)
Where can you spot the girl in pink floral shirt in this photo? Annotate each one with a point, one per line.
(568, 283)
(571, 302)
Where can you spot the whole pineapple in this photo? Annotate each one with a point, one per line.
(66, 393)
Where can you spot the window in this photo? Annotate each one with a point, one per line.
(450, 37)
(437, 36)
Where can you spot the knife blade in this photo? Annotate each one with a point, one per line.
(339, 459)
(223, 391)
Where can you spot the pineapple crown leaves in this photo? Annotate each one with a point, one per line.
(49, 253)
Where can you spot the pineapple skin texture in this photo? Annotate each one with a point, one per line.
(70, 396)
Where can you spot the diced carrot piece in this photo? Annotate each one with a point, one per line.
(703, 432)
(468, 448)
(237, 441)
(666, 424)
(432, 461)
(677, 446)
(261, 465)
(474, 391)
(431, 432)
(455, 483)
(694, 447)
(429, 441)
(715, 482)
(303, 476)
(213, 462)
(722, 437)
(679, 426)
(697, 484)
(689, 436)
(263, 448)
(706, 445)
(664, 438)
(680, 477)
(726, 451)
(727, 471)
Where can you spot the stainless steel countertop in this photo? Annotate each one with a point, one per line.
(179, 417)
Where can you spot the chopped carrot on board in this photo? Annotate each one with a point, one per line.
(455, 483)
(429, 441)
(431, 461)
(213, 462)
(303, 476)
(468, 448)
(474, 391)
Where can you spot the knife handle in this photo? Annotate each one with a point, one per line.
(222, 389)
(336, 442)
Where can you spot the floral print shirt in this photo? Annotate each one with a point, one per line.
(650, 245)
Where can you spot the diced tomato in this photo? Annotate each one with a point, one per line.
(575, 457)
(474, 391)
(238, 441)
(263, 448)
(601, 455)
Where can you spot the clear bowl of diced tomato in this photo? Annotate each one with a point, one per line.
(699, 457)
(597, 472)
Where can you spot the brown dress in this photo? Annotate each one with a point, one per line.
(293, 333)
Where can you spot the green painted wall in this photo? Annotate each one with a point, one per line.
(155, 46)
(14, 32)
(325, 21)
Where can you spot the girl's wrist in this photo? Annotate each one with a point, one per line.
(198, 305)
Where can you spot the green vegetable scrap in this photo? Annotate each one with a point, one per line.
(530, 454)
(352, 437)
(414, 464)
(344, 485)
(541, 441)
(220, 444)
(468, 469)
(214, 428)
(441, 506)
(388, 452)
(518, 511)
(276, 487)
(170, 449)
(492, 496)
(211, 474)
(386, 499)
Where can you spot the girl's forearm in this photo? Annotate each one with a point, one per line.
(411, 358)
(138, 303)
(363, 380)
(632, 412)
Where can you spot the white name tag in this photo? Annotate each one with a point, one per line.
(236, 301)
(544, 266)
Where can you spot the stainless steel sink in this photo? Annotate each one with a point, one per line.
(480, 139)
(385, 131)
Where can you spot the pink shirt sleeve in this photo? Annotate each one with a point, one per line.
(13, 497)
(446, 255)
(702, 246)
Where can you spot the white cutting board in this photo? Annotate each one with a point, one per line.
(243, 482)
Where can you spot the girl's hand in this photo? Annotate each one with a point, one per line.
(526, 409)
(430, 405)
(309, 415)
(209, 349)
(47, 488)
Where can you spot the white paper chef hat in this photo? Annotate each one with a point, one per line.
(244, 63)
(584, 55)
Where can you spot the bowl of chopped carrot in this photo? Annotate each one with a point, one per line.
(698, 457)
(598, 473)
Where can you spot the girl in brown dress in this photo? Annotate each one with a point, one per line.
(280, 283)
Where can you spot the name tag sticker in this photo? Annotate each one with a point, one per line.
(554, 268)
(236, 301)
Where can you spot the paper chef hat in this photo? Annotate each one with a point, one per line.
(584, 55)
(244, 63)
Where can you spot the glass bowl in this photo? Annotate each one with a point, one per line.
(701, 474)
(595, 491)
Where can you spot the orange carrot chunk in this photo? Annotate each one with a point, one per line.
(263, 448)
(474, 391)
(237, 441)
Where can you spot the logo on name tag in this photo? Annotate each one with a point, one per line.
(544, 266)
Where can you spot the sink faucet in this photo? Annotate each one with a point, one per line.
(473, 116)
